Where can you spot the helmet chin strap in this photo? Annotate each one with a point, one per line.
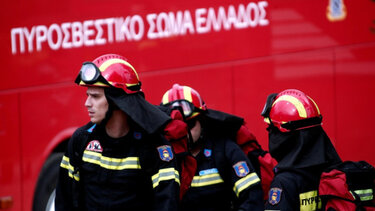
(109, 113)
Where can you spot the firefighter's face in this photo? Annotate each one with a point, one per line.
(96, 104)
(196, 131)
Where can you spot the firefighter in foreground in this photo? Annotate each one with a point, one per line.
(120, 160)
(301, 147)
(216, 174)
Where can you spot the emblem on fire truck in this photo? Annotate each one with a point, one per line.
(336, 10)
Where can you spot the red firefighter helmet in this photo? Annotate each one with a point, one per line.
(292, 109)
(187, 98)
(110, 70)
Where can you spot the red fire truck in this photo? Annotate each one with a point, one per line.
(234, 53)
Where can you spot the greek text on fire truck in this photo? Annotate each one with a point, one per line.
(133, 28)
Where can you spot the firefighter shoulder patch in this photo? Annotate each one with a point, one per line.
(165, 153)
(241, 168)
(274, 195)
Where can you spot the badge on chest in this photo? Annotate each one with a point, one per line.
(94, 146)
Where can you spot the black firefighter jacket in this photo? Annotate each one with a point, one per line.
(294, 190)
(136, 172)
(224, 179)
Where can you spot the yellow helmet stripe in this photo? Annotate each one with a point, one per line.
(316, 106)
(299, 106)
(114, 61)
(187, 94)
(98, 83)
(166, 98)
(131, 84)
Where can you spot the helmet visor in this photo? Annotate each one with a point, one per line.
(90, 74)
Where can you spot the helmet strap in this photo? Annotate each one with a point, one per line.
(111, 105)
(135, 87)
(303, 123)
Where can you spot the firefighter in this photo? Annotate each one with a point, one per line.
(120, 160)
(219, 175)
(301, 147)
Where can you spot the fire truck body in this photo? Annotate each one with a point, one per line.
(234, 53)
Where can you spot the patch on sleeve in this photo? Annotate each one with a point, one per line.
(165, 153)
(274, 195)
(241, 169)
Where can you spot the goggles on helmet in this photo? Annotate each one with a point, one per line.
(267, 107)
(90, 74)
(188, 109)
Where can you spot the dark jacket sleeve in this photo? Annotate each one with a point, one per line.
(245, 181)
(161, 161)
(283, 194)
(68, 181)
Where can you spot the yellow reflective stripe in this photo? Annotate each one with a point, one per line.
(165, 174)
(299, 106)
(65, 163)
(364, 195)
(109, 62)
(111, 163)
(245, 182)
(187, 94)
(310, 201)
(205, 180)
(75, 176)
